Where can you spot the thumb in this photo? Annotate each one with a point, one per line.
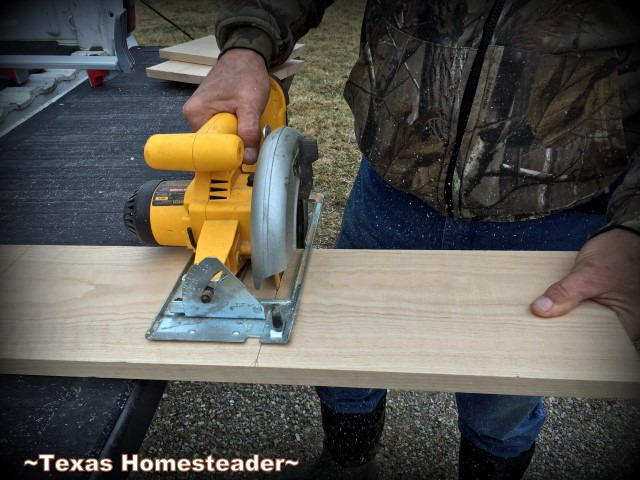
(562, 296)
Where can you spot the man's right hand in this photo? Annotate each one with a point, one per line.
(238, 83)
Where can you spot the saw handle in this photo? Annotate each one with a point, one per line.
(220, 123)
(215, 147)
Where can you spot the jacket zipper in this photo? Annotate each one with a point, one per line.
(467, 99)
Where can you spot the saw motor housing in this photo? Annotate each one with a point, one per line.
(210, 214)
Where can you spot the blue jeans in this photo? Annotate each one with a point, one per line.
(378, 216)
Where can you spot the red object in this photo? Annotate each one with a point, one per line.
(11, 73)
(97, 76)
(130, 7)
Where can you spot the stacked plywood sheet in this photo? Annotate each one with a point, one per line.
(191, 61)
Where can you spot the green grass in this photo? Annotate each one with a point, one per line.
(194, 16)
(316, 107)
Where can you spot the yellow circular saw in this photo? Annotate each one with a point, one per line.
(228, 214)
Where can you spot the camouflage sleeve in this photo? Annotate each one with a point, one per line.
(270, 27)
(624, 206)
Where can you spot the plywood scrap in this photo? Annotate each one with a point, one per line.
(194, 73)
(205, 51)
(190, 62)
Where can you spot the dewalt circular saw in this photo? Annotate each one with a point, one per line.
(230, 214)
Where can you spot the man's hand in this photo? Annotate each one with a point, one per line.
(607, 271)
(238, 83)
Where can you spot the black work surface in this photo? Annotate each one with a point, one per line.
(65, 175)
(66, 172)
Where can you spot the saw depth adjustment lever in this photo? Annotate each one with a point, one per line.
(230, 214)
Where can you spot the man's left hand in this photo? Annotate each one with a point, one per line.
(607, 271)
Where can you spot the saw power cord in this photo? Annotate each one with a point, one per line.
(154, 10)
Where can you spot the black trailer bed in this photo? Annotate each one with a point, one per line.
(65, 174)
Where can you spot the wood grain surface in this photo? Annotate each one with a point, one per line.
(432, 320)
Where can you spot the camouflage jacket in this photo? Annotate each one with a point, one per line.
(487, 109)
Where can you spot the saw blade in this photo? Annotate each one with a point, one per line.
(274, 203)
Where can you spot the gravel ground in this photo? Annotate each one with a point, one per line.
(582, 439)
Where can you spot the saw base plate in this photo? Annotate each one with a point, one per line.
(210, 304)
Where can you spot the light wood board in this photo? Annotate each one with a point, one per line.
(193, 73)
(433, 320)
(205, 51)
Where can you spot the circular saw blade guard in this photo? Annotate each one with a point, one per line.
(282, 178)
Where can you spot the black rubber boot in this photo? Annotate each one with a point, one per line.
(476, 464)
(349, 449)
